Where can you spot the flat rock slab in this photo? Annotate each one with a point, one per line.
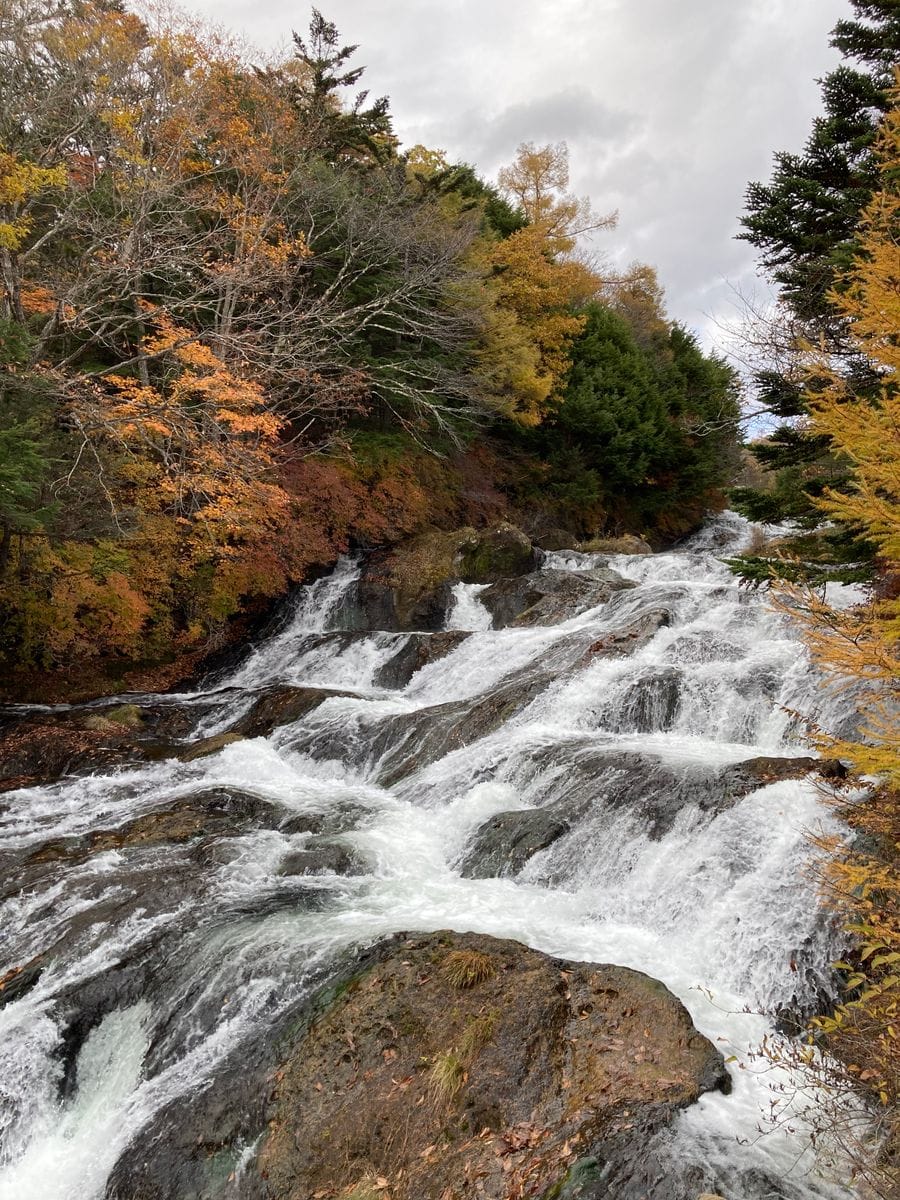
(548, 597)
(460, 1057)
(741, 778)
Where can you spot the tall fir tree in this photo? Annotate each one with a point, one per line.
(804, 224)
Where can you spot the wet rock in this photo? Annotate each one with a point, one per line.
(338, 817)
(651, 705)
(461, 1056)
(417, 651)
(322, 857)
(703, 647)
(412, 740)
(209, 745)
(629, 543)
(281, 705)
(647, 787)
(548, 597)
(744, 777)
(19, 981)
(503, 844)
(89, 739)
(631, 637)
(217, 812)
(408, 588)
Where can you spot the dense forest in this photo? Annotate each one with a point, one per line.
(243, 329)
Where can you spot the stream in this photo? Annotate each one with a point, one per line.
(163, 963)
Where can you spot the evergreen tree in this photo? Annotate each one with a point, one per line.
(804, 224)
(652, 423)
(358, 132)
(804, 220)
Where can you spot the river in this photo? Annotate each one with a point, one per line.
(203, 944)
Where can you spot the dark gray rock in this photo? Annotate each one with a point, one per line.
(321, 857)
(282, 705)
(548, 597)
(741, 778)
(504, 844)
(416, 652)
(650, 705)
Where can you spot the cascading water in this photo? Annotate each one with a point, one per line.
(172, 957)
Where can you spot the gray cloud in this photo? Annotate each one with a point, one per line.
(668, 109)
(571, 115)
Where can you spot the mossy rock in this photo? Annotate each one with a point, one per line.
(408, 588)
(210, 745)
(118, 719)
(629, 543)
(514, 1072)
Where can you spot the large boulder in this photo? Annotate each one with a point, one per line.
(549, 597)
(505, 842)
(408, 587)
(459, 1056)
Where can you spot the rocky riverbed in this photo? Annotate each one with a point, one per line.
(466, 880)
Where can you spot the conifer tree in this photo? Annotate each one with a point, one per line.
(804, 223)
(860, 649)
(356, 132)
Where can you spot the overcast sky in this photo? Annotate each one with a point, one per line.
(669, 107)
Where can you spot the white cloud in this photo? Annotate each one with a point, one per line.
(669, 109)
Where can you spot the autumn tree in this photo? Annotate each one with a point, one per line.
(859, 649)
(535, 285)
(803, 222)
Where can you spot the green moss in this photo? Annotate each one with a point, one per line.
(576, 1180)
(129, 715)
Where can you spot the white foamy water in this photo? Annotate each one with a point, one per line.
(466, 610)
(656, 872)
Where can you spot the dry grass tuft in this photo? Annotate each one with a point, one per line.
(447, 1076)
(476, 1036)
(466, 968)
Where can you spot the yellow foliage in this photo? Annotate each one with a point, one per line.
(532, 287)
(862, 646)
(537, 180)
(542, 293)
(20, 182)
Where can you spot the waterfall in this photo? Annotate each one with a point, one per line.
(160, 962)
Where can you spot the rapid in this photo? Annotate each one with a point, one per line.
(162, 962)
